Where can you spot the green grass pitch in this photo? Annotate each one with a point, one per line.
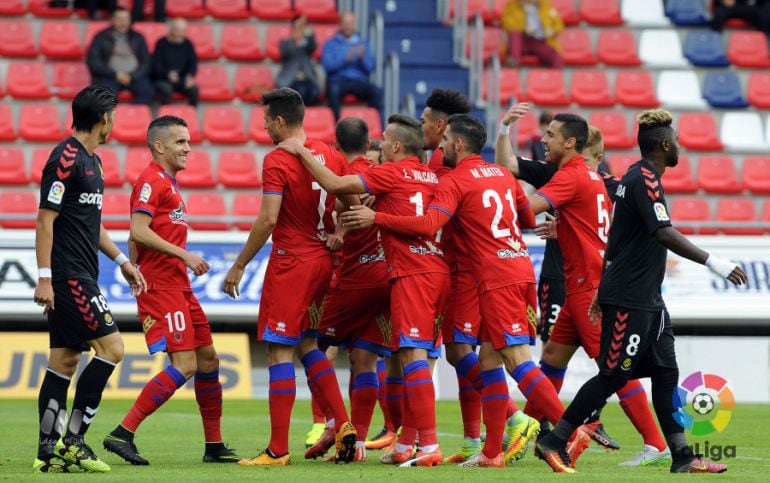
(172, 440)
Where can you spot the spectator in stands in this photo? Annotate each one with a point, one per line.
(533, 27)
(137, 10)
(297, 69)
(118, 58)
(755, 12)
(536, 147)
(174, 64)
(348, 61)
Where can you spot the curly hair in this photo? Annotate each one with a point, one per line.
(448, 101)
(654, 127)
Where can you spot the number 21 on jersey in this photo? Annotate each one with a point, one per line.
(491, 196)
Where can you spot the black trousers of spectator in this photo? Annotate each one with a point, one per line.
(165, 89)
(141, 88)
(160, 11)
(757, 16)
(308, 90)
(337, 89)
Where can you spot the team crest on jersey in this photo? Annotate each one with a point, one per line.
(660, 212)
(626, 364)
(147, 323)
(144, 194)
(108, 319)
(56, 193)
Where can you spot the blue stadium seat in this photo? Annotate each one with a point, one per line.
(421, 45)
(687, 12)
(421, 81)
(405, 11)
(705, 48)
(723, 89)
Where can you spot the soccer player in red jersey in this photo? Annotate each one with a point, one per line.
(487, 205)
(297, 211)
(171, 317)
(419, 275)
(637, 336)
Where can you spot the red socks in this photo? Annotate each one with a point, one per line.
(283, 391)
(539, 390)
(394, 389)
(156, 392)
(362, 401)
(208, 393)
(469, 382)
(633, 400)
(494, 400)
(421, 397)
(323, 383)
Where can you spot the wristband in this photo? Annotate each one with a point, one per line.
(503, 129)
(120, 259)
(720, 266)
(43, 273)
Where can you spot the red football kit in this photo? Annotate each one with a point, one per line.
(578, 197)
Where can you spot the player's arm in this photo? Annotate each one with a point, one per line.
(539, 203)
(503, 150)
(43, 245)
(133, 276)
(330, 182)
(362, 217)
(142, 234)
(676, 242)
(132, 253)
(524, 209)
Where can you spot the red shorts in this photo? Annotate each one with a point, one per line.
(508, 315)
(358, 317)
(574, 327)
(173, 321)
(292, 297)
(417, 304)
(462, 319)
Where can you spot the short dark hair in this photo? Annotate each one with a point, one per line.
(654, 128)
(161, 123)
(545, 117)
(448, 101)
(352, 135)
(470, 129)
(573, 126)
(286, 103)
(408, 133)
(90, 104)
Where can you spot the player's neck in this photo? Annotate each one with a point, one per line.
(89, 140)
(296, 133)
(350, 157)
(568, 155)
(658, 163)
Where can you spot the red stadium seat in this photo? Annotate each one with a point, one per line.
(13, 167)
(601, 12)
(590, 88)
(685, 209)
(527, 128)
(93, 28)
(618, 47)
(323, 33)
(567, 11)
(7, 128)
(246, 208)
(619, 163)
(257, 130)
(759, 90)
(273, 36)
(717, 174)
(509, 84)
(116, 210)
(635, 89)
(189, 114)
(494, 42)
(39, 158)
(201, 34)
(17, 39)
(240, 41)
(369, 114)
(40, 122)
(253, 80)
(273, 10)
(69, 78)
(679, 179)
(152, 31)
(223, 125)
(545, 87)
(214, 83)
(198, 173)
(318, 10)
(137, 160)
(748, 49)
(577, 47)
(614, 128)
(756, 174)
(19, 204)
(185, 8)
(42, 8)
(205, 209)
(228, 9)
(319, 123)
(699, 131)
(738, 210)
(10, 8)
(131, 121)
(238, 169)
(28, 80)
(60, 40)
(110, 167)
(766, 215)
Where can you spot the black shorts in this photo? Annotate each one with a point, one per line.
(80, 314)
(635, 342)
(551, 293)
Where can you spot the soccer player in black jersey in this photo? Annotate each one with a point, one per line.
(68, 237)
(637, 337)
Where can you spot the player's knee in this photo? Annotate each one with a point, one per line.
(209, 364)
(665, 377)
(113, 351)
(615, 380)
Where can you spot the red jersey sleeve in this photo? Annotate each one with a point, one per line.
(560, 190)
(379, 179)
(273, 175)
(526, 215)
(446, 197)
(147, 195)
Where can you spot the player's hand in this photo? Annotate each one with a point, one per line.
(44, 294)
(197, 264)
(595, 311)
(334, 242)
(135, 279)
(368, 200)
(291, 146)
(738, 276)
(547, 229)
(232, 282)
(516, 112)
(358, 217)
(123, 78)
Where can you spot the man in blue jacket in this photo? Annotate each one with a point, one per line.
(348, 61)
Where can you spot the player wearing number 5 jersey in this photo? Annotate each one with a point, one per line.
(171, 317)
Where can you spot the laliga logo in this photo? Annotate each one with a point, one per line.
(704, 404)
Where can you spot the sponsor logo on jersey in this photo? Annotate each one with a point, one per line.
(56, 193)
(108, 319)
(90, 199)
(626, 364)
(467, 327)
(515, 327)
(373, 258)
(144, 194)
(660, 212)
(414, 332)
(178, 216)
(431, 249)
(280, 327)
(512, 253)
(594, 176)
(330, 332)
(620, 192)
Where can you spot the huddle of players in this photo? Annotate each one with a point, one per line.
(479, 254)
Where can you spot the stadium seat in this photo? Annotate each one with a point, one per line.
(131, 121)
(688, 210)
(680, 89)
(742, 132)
(40, 122)
(253, 80)
(228, 9)
(17, 39)
(28, 80)
(13, 167)
(590, 88)
(740, 211)
(69, 78)
(661, 49)
(238, 169)
(192, 9)
(617, 47)
(679, 178)
(257, 130)
(319, 123)
(240, 41)
(620, 162)
(698, 131)
(273, 10)
(137, 159)
(39, 158)
(206, 210)
(509, 84)
(92, 28)
(748, 49)
(369, 114)
(110, 167)
(614, 128)
(323, 33)
(116, 210)
(7, 128)
(566, 9)
(545, 87)
(723, 89)
(60, 40)
(577, 47)
(601, 12)
(189, 114)
(318, 10)
(493, 40)
(18, 204)
(687, 12)
(152, 31)
(42, 8)
(214, 83)
(198, 173)
(705, 48)
(273, 36)
(201, 34)
(759, 90)
(223, 125)
(766, 215)
(643, 13)
(527, 128)
(717, 175)
(756, 174)
(9, 8)
(246, 207)
(635, 89)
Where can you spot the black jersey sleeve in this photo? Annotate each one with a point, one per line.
(56, 178)
(611, 184)
(536, 173)
(647, 197)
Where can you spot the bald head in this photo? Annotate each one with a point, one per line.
(177, 30)
(347, 24)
